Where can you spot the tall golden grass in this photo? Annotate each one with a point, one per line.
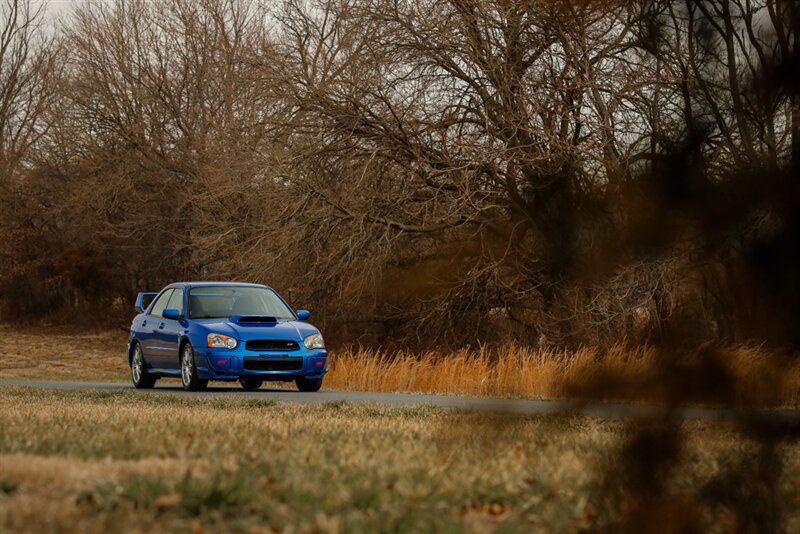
(632, 373)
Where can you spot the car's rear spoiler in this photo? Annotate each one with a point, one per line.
(140, 307)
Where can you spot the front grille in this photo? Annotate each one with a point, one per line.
(271, 344)
(272, 364)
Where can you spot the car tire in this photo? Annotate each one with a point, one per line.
(189, 371)
(139, 376)
(250, 384)
(308, 385)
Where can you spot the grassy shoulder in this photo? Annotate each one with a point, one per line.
(96, 461)
(56, 354)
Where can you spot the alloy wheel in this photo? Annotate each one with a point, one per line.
(136, 368)
(186, 366)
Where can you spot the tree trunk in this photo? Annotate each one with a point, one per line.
(795, 111)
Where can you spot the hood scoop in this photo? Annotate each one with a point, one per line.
(253, 319)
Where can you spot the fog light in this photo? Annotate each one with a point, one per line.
(320, 364)
(222, 362)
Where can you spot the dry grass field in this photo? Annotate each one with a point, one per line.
(522, 372)
(62, 354)
(510, 371)
(95, 462)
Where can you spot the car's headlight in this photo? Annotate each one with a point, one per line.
(314, 341)
(221, 341)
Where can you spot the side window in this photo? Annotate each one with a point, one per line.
(161, 303)
(176, 301)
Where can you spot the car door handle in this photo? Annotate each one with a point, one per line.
(144, 323)
(161, 326)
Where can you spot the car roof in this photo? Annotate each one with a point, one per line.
(208, 284)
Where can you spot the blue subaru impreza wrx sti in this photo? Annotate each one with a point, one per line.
(201, 331)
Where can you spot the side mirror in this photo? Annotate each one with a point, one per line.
(171, 313)
(303, 315)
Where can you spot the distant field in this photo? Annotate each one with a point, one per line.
(59, 354)
(95, 462)
(509, 371)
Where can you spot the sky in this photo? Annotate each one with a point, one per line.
(60, 8)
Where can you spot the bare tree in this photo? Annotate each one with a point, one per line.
(722, 56)
(459, 141)
(418, 164)
(172, 109)
(27, 65)
(28, 81)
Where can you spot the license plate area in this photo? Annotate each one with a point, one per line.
(273, 363)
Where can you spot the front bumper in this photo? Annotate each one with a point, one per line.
(223, 364)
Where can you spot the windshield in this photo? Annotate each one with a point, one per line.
(224, 301)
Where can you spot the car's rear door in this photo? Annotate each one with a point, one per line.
(147, 331)
(168, 334)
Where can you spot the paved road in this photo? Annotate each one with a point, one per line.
(482, 404)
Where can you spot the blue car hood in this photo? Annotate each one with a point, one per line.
(282, 329)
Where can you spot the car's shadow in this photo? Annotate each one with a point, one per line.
(226, 389)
